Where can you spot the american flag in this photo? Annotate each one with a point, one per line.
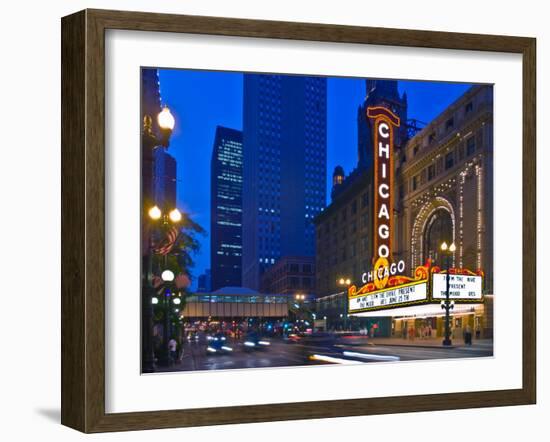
(168, 242)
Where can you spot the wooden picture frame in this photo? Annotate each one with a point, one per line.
(83, 219)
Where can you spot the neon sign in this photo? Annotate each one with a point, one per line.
(384, 122)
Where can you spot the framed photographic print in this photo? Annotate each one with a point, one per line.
(276, 220)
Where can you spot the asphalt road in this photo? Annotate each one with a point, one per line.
(284, 354)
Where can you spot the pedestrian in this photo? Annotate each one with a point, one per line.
(172, 348)
(468, 335)
(478, 332)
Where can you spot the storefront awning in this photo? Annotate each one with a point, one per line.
(421, 311)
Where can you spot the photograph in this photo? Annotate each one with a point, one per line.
(300, 220)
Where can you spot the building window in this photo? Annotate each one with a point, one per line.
(415, 150)
(449, 124)
(469, 108)
(431, 138)
(404, 157)
(365, 200)
(307, 268)
(470, 146)
(414, 182)
(354, 207)
(449, 160)
(365, 243)
(294, 268)
(401, 191)
(431, 172)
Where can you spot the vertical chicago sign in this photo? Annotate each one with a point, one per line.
(383, 123)
(385, 286)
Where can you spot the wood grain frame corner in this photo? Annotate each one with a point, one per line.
(83, 219)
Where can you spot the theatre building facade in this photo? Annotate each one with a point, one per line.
(442, 191)
(444, 179)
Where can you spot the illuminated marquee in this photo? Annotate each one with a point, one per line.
(395, 291)
(464, 285)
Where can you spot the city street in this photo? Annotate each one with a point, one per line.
(282, 353)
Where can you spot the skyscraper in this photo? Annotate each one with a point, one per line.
(226, 208)
(284, 169)
(165, 179)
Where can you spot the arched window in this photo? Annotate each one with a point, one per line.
(439, 228)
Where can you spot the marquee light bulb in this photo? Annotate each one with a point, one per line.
(444, 246)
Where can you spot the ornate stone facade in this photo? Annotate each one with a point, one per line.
(445, 186)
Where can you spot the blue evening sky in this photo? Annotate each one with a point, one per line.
(202, 100)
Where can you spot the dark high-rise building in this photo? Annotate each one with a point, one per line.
(162, 192)
(150, 96)
(379, 93)
(204, 284)
(165, 179)
(226, 189)
(284, 173)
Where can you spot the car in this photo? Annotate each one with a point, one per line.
(319, 339)
(217, 344)
(253, 341)
(292, 338)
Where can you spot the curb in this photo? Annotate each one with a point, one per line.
(414, 346)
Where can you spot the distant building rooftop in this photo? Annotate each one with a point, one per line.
(237, 291)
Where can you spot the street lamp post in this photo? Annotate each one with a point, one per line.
(150, 142)
(300, 303)
(174, 216)
(345, 282)
(447, 305)
(167, 277)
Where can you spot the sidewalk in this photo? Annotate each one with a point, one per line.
(427, 342)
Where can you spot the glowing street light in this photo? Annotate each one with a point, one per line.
(175, 216)
(154, 213)
(165, 119)
(166, 123)
(167, 276)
